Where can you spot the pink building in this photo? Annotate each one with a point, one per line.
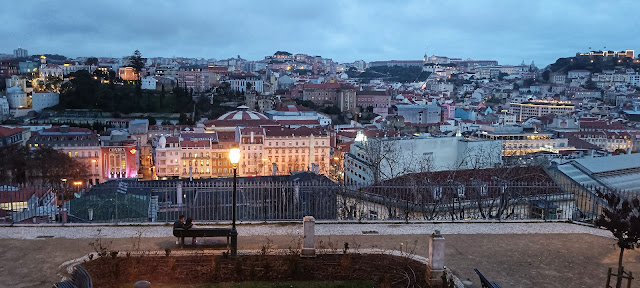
(448, 111)
(375, 99)
(195, 78)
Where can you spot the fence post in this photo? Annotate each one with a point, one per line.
(435, 268)
(11, 204)
(308, 235)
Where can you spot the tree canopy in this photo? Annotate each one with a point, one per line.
(136, 62)
(19, 164)
(394, 73)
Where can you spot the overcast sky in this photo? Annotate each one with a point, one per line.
(509, 31)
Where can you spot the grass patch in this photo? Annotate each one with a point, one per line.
(288, 284)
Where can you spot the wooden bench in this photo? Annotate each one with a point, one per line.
(485, 282)
(201, 233)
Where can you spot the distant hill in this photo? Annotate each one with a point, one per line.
(51, 58)
(594, 64)
(394, 73)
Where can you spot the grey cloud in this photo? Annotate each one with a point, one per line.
(505, 30)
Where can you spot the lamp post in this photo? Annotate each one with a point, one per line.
(234, 157)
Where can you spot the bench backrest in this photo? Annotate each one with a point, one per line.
(201, 232)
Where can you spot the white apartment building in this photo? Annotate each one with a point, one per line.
(301, 149)
(47, 70)
(607, 140)
(633, 79)
(148, 83)
(240, 82)
(576, 74)
(4, 107)
(528, 109)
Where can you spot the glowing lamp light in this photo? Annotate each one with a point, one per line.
(77, 183)
(234, 156)
(94, 160)
(133, 151)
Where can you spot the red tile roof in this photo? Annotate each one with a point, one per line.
(226, 136)
(334, 85)
(6, 132)
(300, 132)
(195, 143)
(299, 122)
(292, 108)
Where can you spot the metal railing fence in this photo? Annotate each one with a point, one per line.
(211, 201)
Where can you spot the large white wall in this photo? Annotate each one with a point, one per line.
(148, 83)
(41, 100)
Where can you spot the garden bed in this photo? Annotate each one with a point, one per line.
(380, 269)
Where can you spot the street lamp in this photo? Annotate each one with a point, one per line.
(234, 157)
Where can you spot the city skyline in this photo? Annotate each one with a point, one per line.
(344, 31)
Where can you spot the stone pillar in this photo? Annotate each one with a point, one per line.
(308, 233)
(435, 268)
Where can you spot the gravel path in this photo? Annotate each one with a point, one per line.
(127, 231)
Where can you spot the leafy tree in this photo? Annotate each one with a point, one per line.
(590, 85)
(99, 74)
(395, 74)
(620, 151)
(622, 218)
(545, 75)
(183, 120)
(51, 165)
(104, 98)
(44, 164)
(136, 62)
(91, 61)
(306, 103)
(80, 91)
(13, 163)
(352, 72)
(332, 110)
(53, 83)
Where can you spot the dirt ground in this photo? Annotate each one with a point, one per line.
(520, 260)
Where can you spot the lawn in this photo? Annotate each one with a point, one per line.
(290, 284)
